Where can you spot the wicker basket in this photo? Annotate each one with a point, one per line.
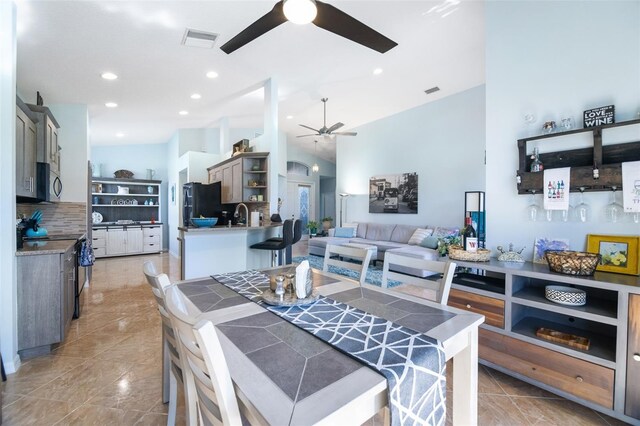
(123, 174)
(457, 253)
(572, 262)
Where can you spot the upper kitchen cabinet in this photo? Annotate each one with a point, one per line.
(26, 149)
(47, 130)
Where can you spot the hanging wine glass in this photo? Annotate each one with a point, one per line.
(613, 212)
(582, 210)
(533, 210)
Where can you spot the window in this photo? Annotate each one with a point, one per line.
(295, 168)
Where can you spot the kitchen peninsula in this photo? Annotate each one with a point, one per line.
(207, 251)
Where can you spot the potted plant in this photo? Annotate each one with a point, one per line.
(326, 223)
(312, 225)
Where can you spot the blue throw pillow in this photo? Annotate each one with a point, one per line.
(430, 242)
(343, 232)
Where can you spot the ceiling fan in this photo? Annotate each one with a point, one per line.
(322, 15)
(324, 130)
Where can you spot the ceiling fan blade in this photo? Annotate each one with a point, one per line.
(310, 128)
(336, 21)
(306, 136)
(335, 127)
(266, 23)
(345, 133)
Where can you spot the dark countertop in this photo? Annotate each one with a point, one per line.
(223, 228)
(106, 224)
(32, 248)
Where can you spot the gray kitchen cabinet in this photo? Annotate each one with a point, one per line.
(26, 149)
(48, 148)
(243, 178)
(45, 300)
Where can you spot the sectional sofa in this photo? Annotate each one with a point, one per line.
(386, 237)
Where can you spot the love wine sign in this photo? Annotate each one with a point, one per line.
(599, 116)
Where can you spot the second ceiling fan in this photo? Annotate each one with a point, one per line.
(322, 15)
(324, 130)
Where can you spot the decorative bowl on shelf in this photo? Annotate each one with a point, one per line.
(123, 174)
(206, 222)
(565, 295)
(572, 262)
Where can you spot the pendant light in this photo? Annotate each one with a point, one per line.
(315, 168)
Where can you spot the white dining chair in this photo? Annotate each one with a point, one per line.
(439, 288)
(359, 252)
(172, 365)
(204, 362)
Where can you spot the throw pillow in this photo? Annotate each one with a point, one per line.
(419, 235)
(343, 233)
(353, 225)
(430, 242)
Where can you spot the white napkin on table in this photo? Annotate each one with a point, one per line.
(302, 271)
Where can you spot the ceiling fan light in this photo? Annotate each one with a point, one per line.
(300, 11)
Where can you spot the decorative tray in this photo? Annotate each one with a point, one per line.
(565, 295)
(270, 298)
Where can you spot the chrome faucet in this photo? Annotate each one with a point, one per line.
(246, 213)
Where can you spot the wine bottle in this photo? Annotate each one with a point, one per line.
(470, 237)
(536, 164)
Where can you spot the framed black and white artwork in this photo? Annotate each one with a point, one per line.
(394, 193)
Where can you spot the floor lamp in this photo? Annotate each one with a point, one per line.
(343, 196)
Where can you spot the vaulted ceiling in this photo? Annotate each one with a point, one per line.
(64, 47)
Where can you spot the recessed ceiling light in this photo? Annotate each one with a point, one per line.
(212, 74)
(377, 71)
(183, 112)
(119, 135)
(111, 104)
(108, 76)
(196, 96)
(289, 117)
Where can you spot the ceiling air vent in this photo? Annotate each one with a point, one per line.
(432, 90)
(195, 38)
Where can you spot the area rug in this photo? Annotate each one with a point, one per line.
(374, 273)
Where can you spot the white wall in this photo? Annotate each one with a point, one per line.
(8, 292)
(552, 62)
(443, 141)
(173, 214)
(137, 158)
(73, 138)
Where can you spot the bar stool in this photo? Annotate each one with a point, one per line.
(297, 235)
(278, 245)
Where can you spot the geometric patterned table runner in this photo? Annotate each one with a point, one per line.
(412, 363)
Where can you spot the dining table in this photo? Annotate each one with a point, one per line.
(283, 375)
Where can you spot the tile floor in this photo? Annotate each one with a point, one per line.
(108, 370)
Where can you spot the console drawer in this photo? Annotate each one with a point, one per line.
(491, 308)
(578, 377)
(99, 251)
(151, 247)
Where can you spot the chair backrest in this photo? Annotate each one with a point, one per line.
(205, 361)
(357, 253)
(297, 231)
(158, 283)
(287, 232)
(440, 288)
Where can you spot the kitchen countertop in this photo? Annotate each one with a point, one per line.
(32, 248)
(105, 224)
(223, 228)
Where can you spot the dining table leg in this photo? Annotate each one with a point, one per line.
(465, 382)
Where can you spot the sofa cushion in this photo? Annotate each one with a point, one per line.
(378, 231)
(430, 242)
(442, 232)
(343, 232)
(362, 230)
(321, 242)
(419, 235)
(402, 233)
(386, 245)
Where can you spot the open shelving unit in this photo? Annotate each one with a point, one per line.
(512, 298)
(606, 159)
(113, 206)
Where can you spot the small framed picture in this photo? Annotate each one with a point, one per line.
(620, 253)
(172, 194)
(543, 244)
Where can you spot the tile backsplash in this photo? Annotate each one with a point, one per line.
(59, 217)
